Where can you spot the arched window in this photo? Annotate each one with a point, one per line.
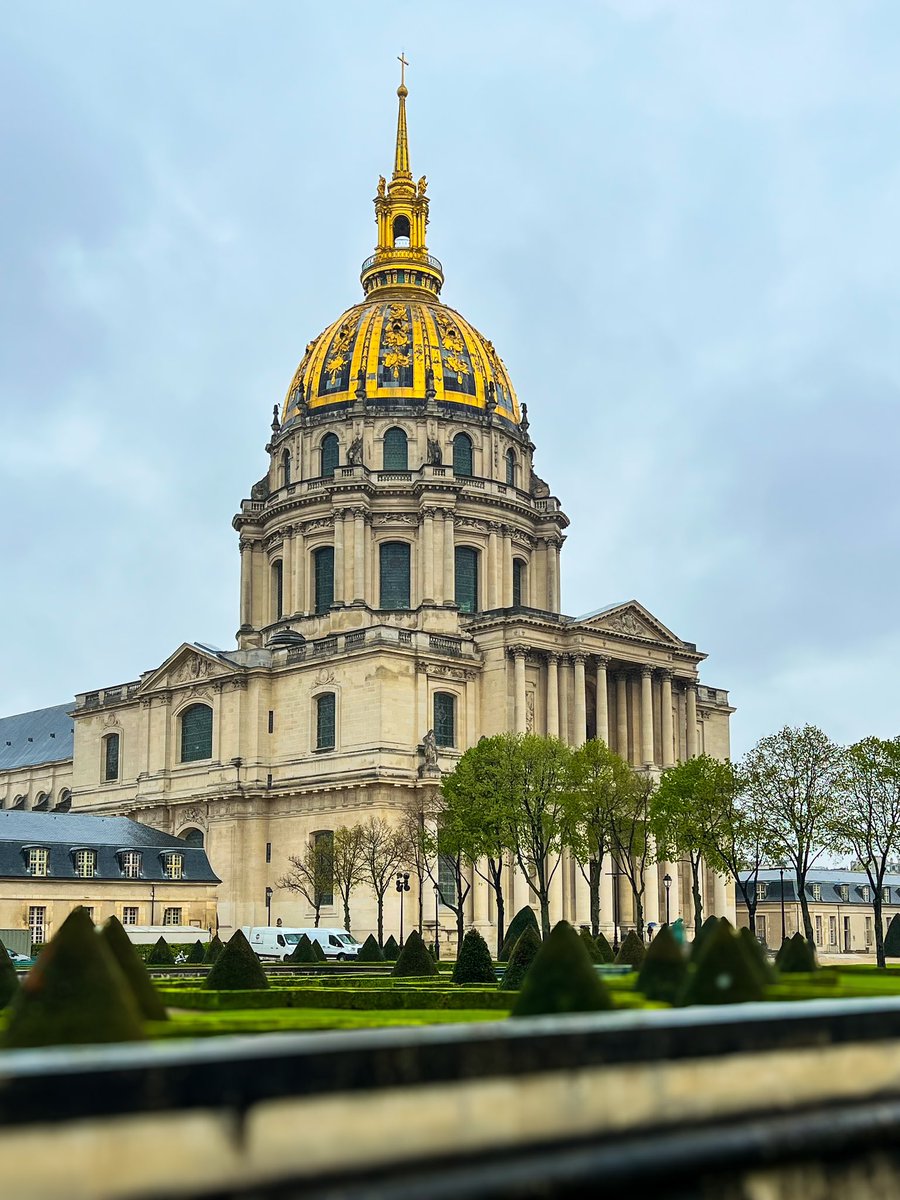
(447, 879)
(196, 733)
(394, 574)
(466, 571)
(511, 467)
(285, 468)
(323, 566)
(65, 801)
(42, 803)
(331, 452)
(401, 231)
(111, 756)
(277, 589)
(462, 454)
(326, 711)
(518, 581)
(193, 837)
(396, 450)
(445, 719)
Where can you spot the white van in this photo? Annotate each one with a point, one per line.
(271, 941)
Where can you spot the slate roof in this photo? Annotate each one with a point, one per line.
(62, 833)
(43, 736)
(830, 879)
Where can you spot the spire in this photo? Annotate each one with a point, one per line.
(401, 153)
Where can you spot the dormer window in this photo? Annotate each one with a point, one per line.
(38, 859)
(85, 863)
(844, 891)
(130, 861)
(816, 890)
(866, 892)
(173, 866)
(762, 890)
(886, 895)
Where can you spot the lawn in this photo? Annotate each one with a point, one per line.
(183, 1024)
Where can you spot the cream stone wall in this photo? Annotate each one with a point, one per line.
(26, 785)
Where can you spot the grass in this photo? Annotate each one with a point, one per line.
(295, 1020)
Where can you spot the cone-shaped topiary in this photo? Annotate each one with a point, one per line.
(632, 950)
(473, 965)
(724, 972)
(595, 954)
(9, 980)
(664, 968)
(237, 967)
(782, 950)
(562, 978)
(370, 951)
(317, 950)
(391, 949)
(523, 955)
(303, 952)
(797, 956)
(161, 955)
(414, 959)
(75, 993)
(606, 950)
(121, 948)
(197, 952)
(892, 938)
(705, 931)
(214, 948)
(757, 955)
(514, 930)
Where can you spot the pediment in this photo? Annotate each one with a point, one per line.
(189, 665)
(630, 620)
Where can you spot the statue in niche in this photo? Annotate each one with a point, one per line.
(435, 458)
(423, 185)
(382, 185)
(354, 452)
(429, 746)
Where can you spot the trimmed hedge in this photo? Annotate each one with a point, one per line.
(705, 931)
(562, 978)
(213, 949)
(381, 1001)
(145, 994)
(796, 956)
(237, 967)
(474, 962)
(595, 954)
(370, 951)
(664, 969)
(632, 951)
(161, 955)
(415, 958)
(606, 950)
(514, 930)
(391, 949)
(524, 953)
(724, 973)
(9, 979)
(758, 956)
(892, 938)
(197, 952)
(303, 952)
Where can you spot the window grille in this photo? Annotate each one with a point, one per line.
(466, 571)
(844, 891)
(172, 916)
(462, 454)
(396, 450)
(173, 866)
(325, 721)
(37, 922)
(286, 468)
(394, 574)
(331, 451)
(447, 879)
(129, 915)
(886, 895)
(324, 571)
(762, 890)
(444, 719)
(111, 757)
(518, 581)
(277, 589)
(196, 733)
(816, 891)
(131, 864)
(37, 860)
(511, 465)
(85, 863)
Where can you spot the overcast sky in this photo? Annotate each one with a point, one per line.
(676, 220)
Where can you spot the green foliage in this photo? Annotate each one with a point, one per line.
(74, 994)
(377, 1000)
(562, 978)
(523, 918)
(214, 948)
(317, 950)
(236, 967)
(391, 949)
(796, 956)
(892, 938)
(595, 954)
(161, 955)
(523, 955)
(145, 994)
(704, 933)
(693, 807)
(757, 955)
(303, 952)
(725, 972)
(197, 952)
(473, 965)
(605, 949)
(664, 969)
(370, 951)
(632, 950)
(9, 980)
(414, 959)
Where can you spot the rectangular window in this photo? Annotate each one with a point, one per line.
(466, 581)
(85, 863)
(518, 580)
(268, 852)
(868, 931)
(447, 879)
(832, 931)
(37, 922)
(761, 930)
(393, 558)
(196, 733)
(173, 866)
(866, 894)
(268, 781)
(844, 891)
(271, 721)
(325, 721)
(323, 560)
(761, 890)
(130, 915)
(172, 916)
(277, 589)
(444, 719)
(131, 864)
(818, 931)
(37, 860)
(816, 890)
(111, 757)
(886, 895)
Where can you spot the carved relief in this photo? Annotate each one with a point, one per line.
(529, 712)
(628, 623)
(194, 667)
(323, 675)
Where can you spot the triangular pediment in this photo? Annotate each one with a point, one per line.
(190, 665)
(630, 620)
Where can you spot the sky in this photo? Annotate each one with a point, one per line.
(675, 219)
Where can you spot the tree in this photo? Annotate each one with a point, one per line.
(383, 848)
(445, 856)
(741, 844)
(630, 838)
(792, 776)
(688, 815)
(599, 777)
(347, 864)
(413, 818)
(867, 820)
(311, 874)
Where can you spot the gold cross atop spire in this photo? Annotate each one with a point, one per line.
(403, 65)
(401, 153)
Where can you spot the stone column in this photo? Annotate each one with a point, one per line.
(519, 653)
(359, 556)
(647, 716)
(428, 557)
(479, 899)
(667, 725)
(582, 912)
(721, 907)
(580, 736)
(287, 572)
(493, 568)
(651, 894)
(564, 698)
(552, 695)
(622, 715)
(557, 892)
(246, 582)
(338, 557)
(449, 560)
(606, 898)
(553, 570)
(299, 573)
(506, 567)
(690, 705)
(602, 700)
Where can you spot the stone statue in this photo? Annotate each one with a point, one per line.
(361, 384)
(429, 745)
(354, 453)
(423, 184)
(382, 184)
(491, 400)
(435, 458)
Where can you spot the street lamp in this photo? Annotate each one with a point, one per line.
(268, 907)
(615, 896)
(437, 898)
(667, 880)
(402, 886)
(783, 923)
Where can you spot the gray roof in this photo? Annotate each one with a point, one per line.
(830, 879)
(62, 833)
(43, 736)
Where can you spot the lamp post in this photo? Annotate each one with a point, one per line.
(667, 880)
(615, 878)
(437, 899)
(402, 886)
(783, 923)
(268, 906)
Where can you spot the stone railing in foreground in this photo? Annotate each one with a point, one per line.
(781, 1100)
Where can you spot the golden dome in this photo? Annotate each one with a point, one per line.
(401, 344)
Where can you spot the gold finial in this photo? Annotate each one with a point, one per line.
(401, 154)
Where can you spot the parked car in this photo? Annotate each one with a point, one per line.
(19, 960)
(274, 941)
